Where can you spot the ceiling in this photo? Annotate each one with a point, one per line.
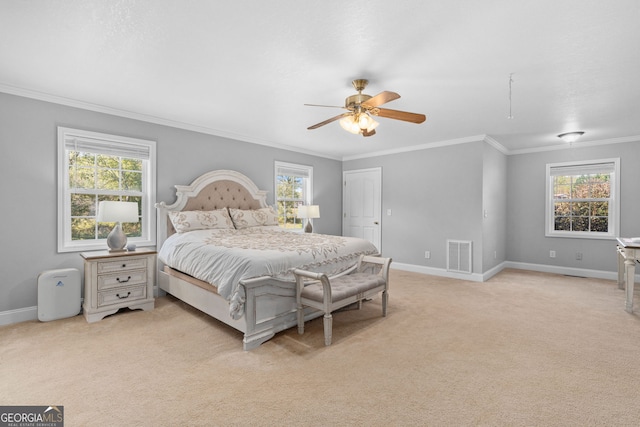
(244, 69)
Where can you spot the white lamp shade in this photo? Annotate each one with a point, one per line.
(364, 121)
(350, 124)
(314, 211)
(372, 126)
(302, 211)
(110, 211)
(309, 211)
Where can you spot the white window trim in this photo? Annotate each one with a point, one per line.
(278, 165)
(65, 244)
(614, 207)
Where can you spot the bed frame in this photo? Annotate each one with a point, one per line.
(262, 306)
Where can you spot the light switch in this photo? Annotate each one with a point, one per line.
(388, 212)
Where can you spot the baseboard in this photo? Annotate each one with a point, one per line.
(20, 315)
(477, 277)
(474, 277)
(23, 314)
(493, 271)
(567, 271)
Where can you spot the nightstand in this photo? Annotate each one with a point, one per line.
(115, 280)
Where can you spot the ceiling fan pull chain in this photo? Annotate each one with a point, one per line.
(510, 82)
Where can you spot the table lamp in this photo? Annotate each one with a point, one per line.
(118, 212)
(308, 212)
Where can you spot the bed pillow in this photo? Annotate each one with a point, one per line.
(243, 218)
(200, 220)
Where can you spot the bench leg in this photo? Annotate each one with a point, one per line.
(385, 299)
(300, 320)
(328, 325)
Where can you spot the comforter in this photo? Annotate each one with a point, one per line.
(224, 257)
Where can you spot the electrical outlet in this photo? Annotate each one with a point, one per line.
(427, 254)
(579, 256)
(552, 254)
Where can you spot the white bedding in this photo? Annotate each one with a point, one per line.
(224, 257)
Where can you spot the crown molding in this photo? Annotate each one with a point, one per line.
(428, 146)
(69, 102)
(576, 145)
(495, 144)
(477, 138)
(41, 96)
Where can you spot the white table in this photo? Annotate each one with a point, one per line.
(628, 252)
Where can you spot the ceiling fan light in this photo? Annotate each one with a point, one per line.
(373, 125)
(364, 121)
(345, 123)
(350, 124)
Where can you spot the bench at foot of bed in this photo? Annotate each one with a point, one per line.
(329, 295)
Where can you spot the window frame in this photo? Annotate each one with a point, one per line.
(613, 204)
(148, 193)
(308, 196)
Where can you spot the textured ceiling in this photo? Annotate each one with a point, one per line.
(243, 69)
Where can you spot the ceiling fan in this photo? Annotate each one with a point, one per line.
(359, 120)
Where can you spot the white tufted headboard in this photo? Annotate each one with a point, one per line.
(212, 190)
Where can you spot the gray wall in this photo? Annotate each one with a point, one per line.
(443, 193)
(434, 194)
(494, 208)
(437, 194)
(28, 166)
(526, 242)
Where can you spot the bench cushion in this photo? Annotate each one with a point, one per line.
(344, 286)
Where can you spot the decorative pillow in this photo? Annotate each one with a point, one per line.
(253, 218)
(199, 220)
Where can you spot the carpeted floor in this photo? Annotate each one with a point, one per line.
(523, 349)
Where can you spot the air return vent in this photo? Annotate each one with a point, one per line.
(459, 256)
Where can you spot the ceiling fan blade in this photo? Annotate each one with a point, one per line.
(381, 98)
(365, 133)
(332, 119)
(399, 115)
(328, 106)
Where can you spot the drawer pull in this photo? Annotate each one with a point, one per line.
(124, 265)
(123, 297)
(123, 281)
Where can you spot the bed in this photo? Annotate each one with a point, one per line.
(221, 252)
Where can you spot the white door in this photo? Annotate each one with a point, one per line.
(362, 205)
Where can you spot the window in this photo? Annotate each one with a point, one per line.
(582, 199)
(293, 188)
(93, 167)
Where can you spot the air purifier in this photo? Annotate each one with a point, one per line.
(58, 294)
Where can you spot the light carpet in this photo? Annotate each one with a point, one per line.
(522, 349)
